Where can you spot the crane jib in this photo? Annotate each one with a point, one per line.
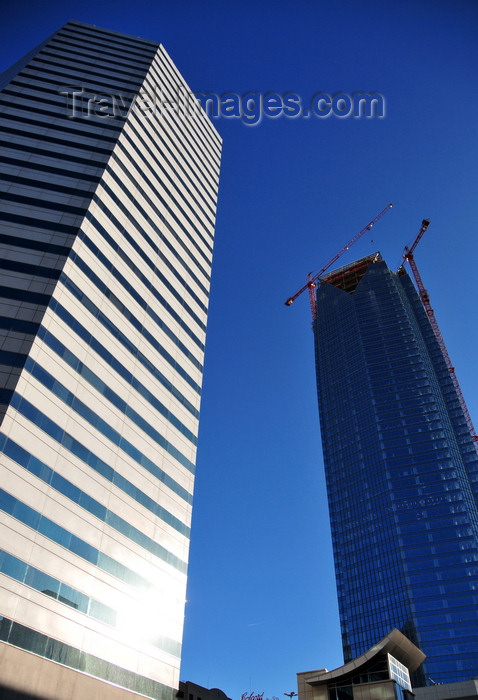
(312, 281)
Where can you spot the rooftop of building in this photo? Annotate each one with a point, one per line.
(462, 690)
(192, 691)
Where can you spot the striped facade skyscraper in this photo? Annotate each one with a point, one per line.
(108, 199)
(401, 469)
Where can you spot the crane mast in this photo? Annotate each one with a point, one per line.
(313, 279)
(408, 255)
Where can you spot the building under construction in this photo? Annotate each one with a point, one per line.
(401, 468)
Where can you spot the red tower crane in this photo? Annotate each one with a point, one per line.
(424, 296)
(312, 279)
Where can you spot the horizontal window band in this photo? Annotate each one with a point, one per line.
(62, 57)
(38, 203)
(21, 95)
(27, 269)
(199, 151)
(36, 91)
(29, 575)
(151, 339)
(115, 437)
(161, 217)
(52, 139)
(38, 223)
(18, 325)
(20, 571)
(198, 148)
(116, 41)
(105, 55)
(37, 643)
(205, 172)
(170, 211)
(44, 185)
(59, 104)
(127, 211)
(123, 406)
(89, 504)
(78, 450)
(109, 56)
(135, 123)
(57, 127)
(184, 200)
(25, 295)
(142, 303)
(132, 83)
(179, 172)
(207, 150)
(32, 244)
(150, 286)
(54, 532)
(57, 155)
(89, 40)
(39, 72)
(77, 328)
(77, 50)
(121, 39)
(208, 131)
(101, 123)
(147, 49)
(5, 396)
(41, 167)
(204, 128)
(169, 145)
(123, 230)
(12, 359)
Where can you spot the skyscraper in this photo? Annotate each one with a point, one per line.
(108, 210)
(401, 471)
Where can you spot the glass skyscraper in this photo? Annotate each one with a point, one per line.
(401, 470)
(108, 199)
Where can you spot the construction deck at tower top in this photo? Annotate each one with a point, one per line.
(348, 276)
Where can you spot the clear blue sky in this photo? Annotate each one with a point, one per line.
(261, 603)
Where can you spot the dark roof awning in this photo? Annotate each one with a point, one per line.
(395, 643)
